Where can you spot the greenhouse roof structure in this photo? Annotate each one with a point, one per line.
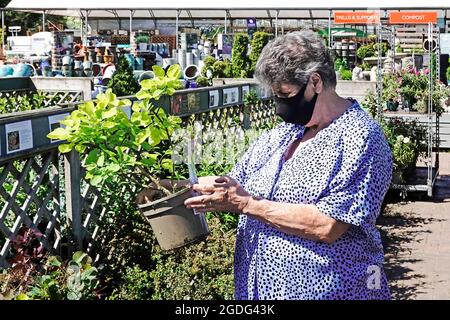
(232, 9)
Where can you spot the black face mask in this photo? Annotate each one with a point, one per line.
(295, 109)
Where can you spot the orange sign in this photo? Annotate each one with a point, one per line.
(412, 17)
(362, 17)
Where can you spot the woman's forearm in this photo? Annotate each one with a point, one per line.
(304, 220)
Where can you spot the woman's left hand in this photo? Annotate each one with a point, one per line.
(226, 194)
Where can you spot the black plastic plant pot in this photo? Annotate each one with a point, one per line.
(175, 225)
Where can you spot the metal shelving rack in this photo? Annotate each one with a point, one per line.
(431, 171)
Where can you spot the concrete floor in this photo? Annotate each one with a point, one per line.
(416, 235)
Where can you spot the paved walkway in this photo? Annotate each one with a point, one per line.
(416, 237)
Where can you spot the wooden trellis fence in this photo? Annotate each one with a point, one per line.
(44, 190)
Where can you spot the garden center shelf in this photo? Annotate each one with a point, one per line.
(419, 181)
(426, 170)
(443, 123)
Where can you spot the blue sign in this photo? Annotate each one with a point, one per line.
(251, 23)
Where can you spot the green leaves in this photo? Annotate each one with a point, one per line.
(59, 134)
(112, 144)
(17, 103)
(158, 71)
(74, 280)
(22, 296)
(174, 71)
(81, 258)
(92, 156)
(166, 164)
(142, 136)
(162, 84)
(109, 113)
(64, 148)
(89, 108)
(54, 261)
(259, 41)
(240, 60)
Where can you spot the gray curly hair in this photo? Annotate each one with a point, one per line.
(293, 58)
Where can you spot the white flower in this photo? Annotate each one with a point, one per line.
(406, 140)
(400, 138)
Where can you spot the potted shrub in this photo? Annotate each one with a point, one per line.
(118, 147)
(123, 82)
(345, 74)
(142, 41)
(208, 63)
(404, 158)
(391, 91)
(407, 140)
(222, 69)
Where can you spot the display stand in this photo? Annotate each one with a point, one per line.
(425, 177)
(347, 48)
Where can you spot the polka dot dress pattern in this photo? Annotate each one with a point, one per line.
(345, 171)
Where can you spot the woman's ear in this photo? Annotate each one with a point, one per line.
(317, 82)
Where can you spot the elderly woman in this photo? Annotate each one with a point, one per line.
(309, 191)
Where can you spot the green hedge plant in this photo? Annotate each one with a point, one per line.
(259, 41)
(240, 59)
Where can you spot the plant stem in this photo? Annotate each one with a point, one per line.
(171, 144)
(155, 181)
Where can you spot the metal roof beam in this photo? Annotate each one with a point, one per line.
(191, 17)
(152, 14)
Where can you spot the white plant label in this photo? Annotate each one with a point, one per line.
(19, 136)
(230, 96)
(245, 90)
(214, 98)
(127, 110)
(53, 123)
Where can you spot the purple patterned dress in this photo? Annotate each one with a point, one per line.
(345, 171)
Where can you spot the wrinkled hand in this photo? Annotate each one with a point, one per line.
(225, 194)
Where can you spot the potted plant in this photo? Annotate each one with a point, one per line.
(407, 140)
(142, 41)
(117, 147)
(123, 82)
(408, 96)
(391, 89)
(404, 158)
(412, 85)
(222, 69)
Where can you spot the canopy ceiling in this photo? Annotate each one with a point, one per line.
(207, 9)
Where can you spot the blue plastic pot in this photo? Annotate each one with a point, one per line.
(6, 71)
(22, 70)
